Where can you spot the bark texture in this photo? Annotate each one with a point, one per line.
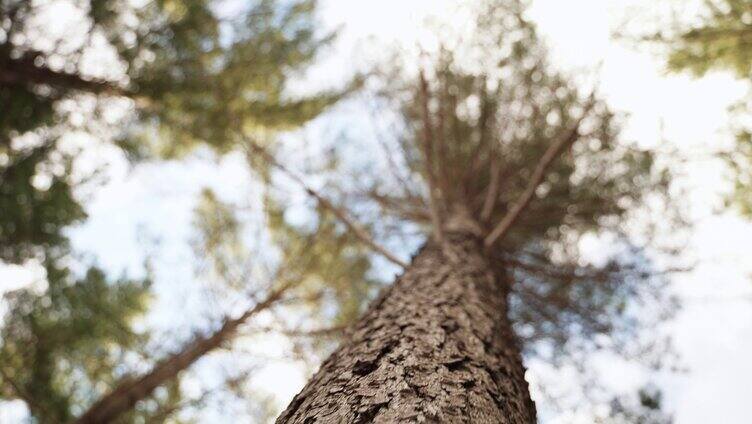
(434, 347)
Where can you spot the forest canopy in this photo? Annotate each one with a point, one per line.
(417, 238)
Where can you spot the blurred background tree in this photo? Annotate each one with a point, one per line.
(185, 72)
(62, 347)
(644, 408)
(719, 38)
(153, 78)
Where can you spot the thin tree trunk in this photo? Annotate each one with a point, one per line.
(434, 347)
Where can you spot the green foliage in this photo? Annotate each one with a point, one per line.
(646, 408)
(327, 264)
(208, 78)
(331, 263)
(218, 242)
(35, 214)
(721, 40)
(195, 75)
(23, 110)
(62, 348)
(741, 162)
(490, 108)
(510, 114)
(195, 72)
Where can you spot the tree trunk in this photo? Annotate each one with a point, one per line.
(434, 347)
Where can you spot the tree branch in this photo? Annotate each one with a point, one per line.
(539, 174)
(125, 395)
(410, 208)
(318, 332)
(391, 160)
(492, 194)
(25, 71)
(358, 230)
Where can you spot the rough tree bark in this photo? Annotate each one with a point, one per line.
(434, 347)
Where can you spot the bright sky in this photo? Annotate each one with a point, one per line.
(713, 332)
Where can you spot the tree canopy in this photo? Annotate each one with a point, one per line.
(62, 347)
(154, 78)
(485, 134)
(188, 74)
(472, 127)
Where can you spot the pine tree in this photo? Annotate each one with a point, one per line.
(60, 347)
(719, 39)
(184, 73)
(645, 409)
(188, 75)
(504, 164)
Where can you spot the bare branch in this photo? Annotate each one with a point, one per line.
(439, 138)
(318, 332)
(492, 194)
(539, 174)
(394, 168)
(357, 229)
(125, 395)
(25, 71)
(427, 146)
(410, 208)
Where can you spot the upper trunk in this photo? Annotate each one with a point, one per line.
(434, 347)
